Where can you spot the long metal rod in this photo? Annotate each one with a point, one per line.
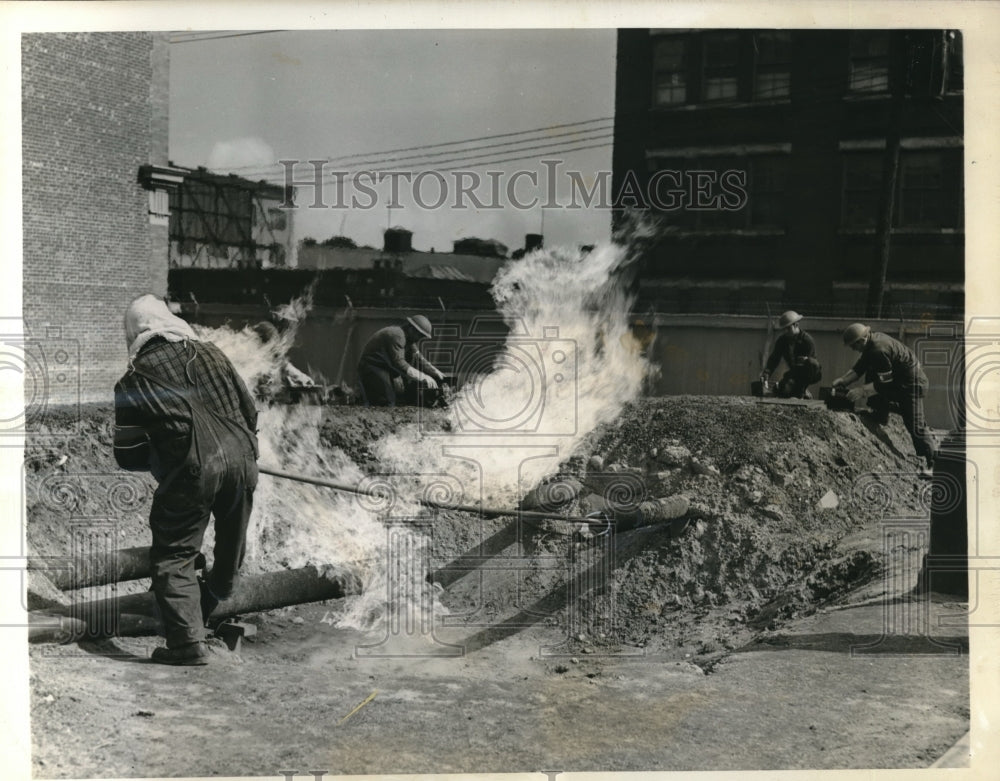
(487, 512)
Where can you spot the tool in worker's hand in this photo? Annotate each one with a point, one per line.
(836, 398)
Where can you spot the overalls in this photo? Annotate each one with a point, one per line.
(216, 476)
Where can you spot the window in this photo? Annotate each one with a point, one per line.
(772, 67)
(929, 193)
(929, 190)
(669, 79)
(766, 191)
(862, 186)
(721, 193)
(869, 61)
(720, 61)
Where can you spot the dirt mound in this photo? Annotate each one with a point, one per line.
(784, 509)
(776, 508)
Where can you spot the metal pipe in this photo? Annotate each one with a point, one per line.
(486, 512)
(138, 614)
(116, 566)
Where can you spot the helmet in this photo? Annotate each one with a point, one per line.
(266, 331)
(421, 324)
(854, 332)
(788, 318)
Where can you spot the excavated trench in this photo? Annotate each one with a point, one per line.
(713, 518)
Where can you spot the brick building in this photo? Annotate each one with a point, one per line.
(94, 112)
(762, 152)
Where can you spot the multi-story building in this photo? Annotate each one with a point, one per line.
(94, 114)
(767, 157)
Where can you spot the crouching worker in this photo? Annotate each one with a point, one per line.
(899, 382)
(391, 358)
(183, 414)
(798, 350)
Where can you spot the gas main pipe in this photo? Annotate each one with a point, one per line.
(487, 512)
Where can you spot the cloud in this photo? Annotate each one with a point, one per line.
(229, 156)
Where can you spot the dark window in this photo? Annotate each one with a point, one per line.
(772, 67)
(929, 193)
(869, 61)
(862, 184)
(720, 193)
(711, 192)
(766, 191)
(669, 78)
(720, 66)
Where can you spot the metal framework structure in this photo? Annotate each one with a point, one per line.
(227, 222)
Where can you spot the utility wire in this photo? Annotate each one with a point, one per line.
(441, 166)
(214, 37)
(459, 142)
(455, 156)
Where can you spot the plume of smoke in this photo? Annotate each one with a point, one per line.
(570, 361)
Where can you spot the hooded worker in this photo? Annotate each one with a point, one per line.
(391, 355)
(798, 350)
(183, 414)
(899, 383)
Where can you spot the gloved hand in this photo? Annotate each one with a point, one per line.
(764, 376)
(854, 395)
(428, 382)
(839, 382)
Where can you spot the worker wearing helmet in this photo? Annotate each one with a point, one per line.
(899, 383)
(798, 350)
(391, 358)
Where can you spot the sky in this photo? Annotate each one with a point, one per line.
(241, 102)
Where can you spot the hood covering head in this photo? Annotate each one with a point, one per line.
(147, 317)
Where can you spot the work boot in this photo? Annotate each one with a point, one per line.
(187, 654)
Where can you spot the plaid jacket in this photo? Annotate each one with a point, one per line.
(197, 371)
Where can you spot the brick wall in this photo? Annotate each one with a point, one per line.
(94, 108)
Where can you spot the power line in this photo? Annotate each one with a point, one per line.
(459, 142)
(473, 161)
(214, 37)
(457, 155)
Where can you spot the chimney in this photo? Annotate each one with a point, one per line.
(397, 240)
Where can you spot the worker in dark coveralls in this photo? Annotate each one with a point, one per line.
(798, 350)
(391, 358)
(899, 382)
(183, 414)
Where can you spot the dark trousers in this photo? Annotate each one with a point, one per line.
(909, 403)
(377, 386)
(797, 379)
(180, 515)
